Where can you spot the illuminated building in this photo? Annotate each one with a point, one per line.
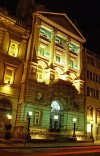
(42, 70)
(92, 92)
(13, 43)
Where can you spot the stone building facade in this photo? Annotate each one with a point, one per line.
(42, 71)
(51, 85)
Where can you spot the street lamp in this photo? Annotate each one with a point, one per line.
(74, 122)
(9, 117)
(28, 126)
(91, 136)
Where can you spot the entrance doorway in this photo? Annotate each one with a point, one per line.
(56, 117)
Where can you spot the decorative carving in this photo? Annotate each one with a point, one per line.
(39, 95)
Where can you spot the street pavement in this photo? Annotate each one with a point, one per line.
(10, 144)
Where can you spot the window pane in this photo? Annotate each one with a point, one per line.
(13, 49)
(58, 58)
(8, 76)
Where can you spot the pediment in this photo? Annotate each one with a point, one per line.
(62, 20)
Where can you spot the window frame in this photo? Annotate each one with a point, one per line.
(11, 77)
(37, 117)
(16, 51)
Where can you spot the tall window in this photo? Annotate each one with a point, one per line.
(46, 33)
(97, 78)
(43, 50)
(58, 58)
(37, 114)
(90, 75)
(93, 76)
(60, 40)
(56, 118)
(8, 76)
(90, 111)
(74, 48)
(98, 112)
(88, 91)
(13, 49)
(71, 63)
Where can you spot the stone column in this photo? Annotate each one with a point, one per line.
(34, 39)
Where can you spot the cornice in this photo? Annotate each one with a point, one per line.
(13, 24)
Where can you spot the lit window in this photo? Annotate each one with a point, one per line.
(40, 77)
(46, 33)
(98, 112)
(13, 49)
(74, 48)
(90, 111)
(42, 51)
(58, 58)
(55, 107)
(37, 114)
(8, 76)
(71, 63)
(58, 39)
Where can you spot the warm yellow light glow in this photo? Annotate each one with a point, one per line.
(9, 116)
(74, 119)
(6, 88)
(91, 122)
(89, 128)
(56, 117)
(30, 113)
(13, 49)
(63, 77)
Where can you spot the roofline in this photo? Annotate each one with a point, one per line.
(63, 14)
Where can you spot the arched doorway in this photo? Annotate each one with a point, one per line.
(56, 117)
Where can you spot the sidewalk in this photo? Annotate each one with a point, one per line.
(10, 144)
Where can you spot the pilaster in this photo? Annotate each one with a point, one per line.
(52, 50)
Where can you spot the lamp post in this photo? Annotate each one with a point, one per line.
(28, 126)
(91, 135)
(55, 123)
(97, 133)
(8, 127)
(9, 117)
(74, 122)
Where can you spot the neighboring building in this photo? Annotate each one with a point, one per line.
(13, 44)
(92, 92)
(43, 73)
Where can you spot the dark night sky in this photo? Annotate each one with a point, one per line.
(86, 12)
